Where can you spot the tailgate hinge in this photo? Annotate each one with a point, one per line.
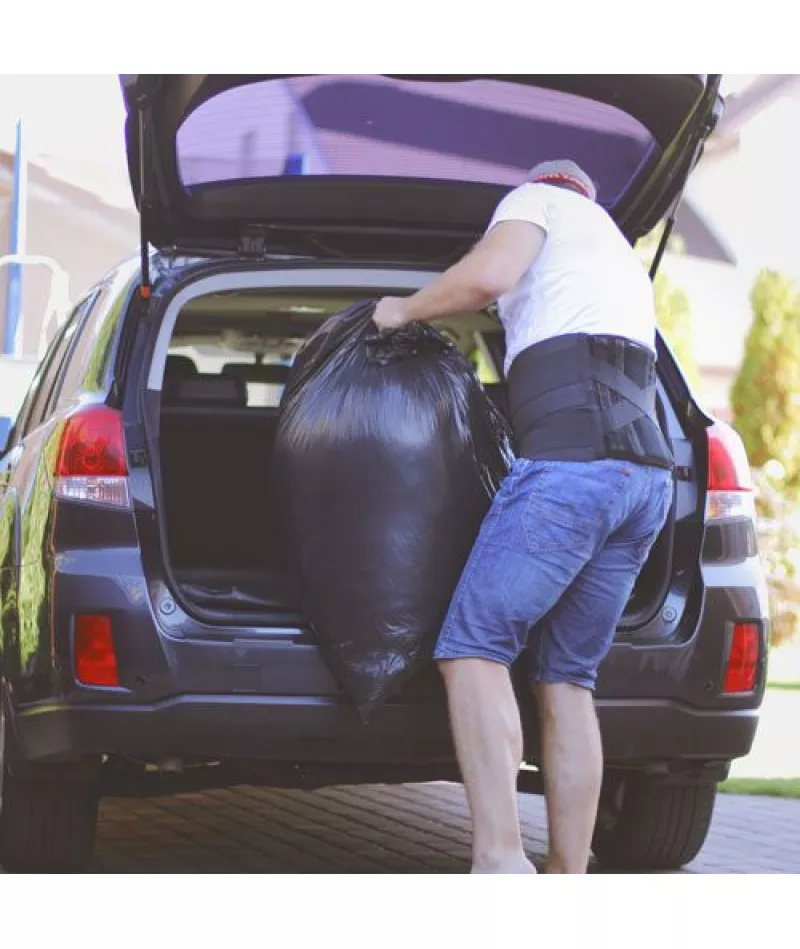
(253, 244)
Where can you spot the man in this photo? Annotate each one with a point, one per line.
(571, 527)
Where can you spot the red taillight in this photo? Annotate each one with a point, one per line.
(95, 659)
(92, 445)
(728, 467)
(742, 668)
(91, 464)
(730, 487)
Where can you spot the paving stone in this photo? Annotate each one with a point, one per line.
(381, 829)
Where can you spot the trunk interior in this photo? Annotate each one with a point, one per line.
(228, 362)
(224, 539)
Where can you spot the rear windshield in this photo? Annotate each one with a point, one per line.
(485, 131)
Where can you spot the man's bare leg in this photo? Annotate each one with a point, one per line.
(572, 761)
(488, 738)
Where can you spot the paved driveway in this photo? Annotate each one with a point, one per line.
(409, 829)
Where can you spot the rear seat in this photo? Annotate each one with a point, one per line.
(202, 390)
(180, 366)
(267, 373)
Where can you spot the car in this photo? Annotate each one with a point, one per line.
(153, 637)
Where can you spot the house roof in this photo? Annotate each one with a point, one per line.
(53, 188)
(746, 105)
(698, 238)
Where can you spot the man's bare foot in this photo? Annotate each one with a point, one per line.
(516, 864)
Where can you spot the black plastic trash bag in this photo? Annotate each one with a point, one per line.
(388, 454)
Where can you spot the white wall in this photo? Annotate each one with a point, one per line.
(752, 196)
(719, 300)
(85, 242)
(15, 378)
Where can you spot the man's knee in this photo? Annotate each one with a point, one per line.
(553, 699)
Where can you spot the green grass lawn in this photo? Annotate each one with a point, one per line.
(783, 670)
(771, 771)
(763, 787)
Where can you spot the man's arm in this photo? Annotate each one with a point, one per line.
(493, 267)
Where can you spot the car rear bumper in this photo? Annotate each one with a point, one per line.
(292, 729)
(190, 691)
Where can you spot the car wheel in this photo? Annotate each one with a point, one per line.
(644, 824)
(48, 815)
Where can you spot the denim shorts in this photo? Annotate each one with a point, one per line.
(554, 565)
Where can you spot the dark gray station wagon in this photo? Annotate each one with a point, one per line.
(152, 635)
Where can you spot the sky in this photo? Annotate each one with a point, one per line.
(73, 127)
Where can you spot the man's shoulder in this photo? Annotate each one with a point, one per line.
(524, 203)
(570, 206)
(558, 200)
(532, 189)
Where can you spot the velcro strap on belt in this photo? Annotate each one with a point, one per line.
(638, 402)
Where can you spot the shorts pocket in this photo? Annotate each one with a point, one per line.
(565, 510)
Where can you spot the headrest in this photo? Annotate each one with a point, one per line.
(179, 366)
(210, 390)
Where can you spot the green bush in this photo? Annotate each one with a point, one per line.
(673, 314)
(765, 397)
(674, 319)
(779, 548)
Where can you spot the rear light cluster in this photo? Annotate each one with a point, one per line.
(91, 465)
(730, 486)
(730, 495)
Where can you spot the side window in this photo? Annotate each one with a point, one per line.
(34, 408)
(30, 396)
(483, 360)
(74, 370)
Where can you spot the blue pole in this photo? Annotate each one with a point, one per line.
(19, 210)
(302, 128)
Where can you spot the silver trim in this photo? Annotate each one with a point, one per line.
(317, 279)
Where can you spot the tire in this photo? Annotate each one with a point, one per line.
(645, 825)
(48, 817)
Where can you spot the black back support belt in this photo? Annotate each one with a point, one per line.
(580, 397)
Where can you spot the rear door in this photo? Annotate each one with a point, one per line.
(24, 469)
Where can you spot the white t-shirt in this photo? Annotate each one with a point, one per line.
(586, 279)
